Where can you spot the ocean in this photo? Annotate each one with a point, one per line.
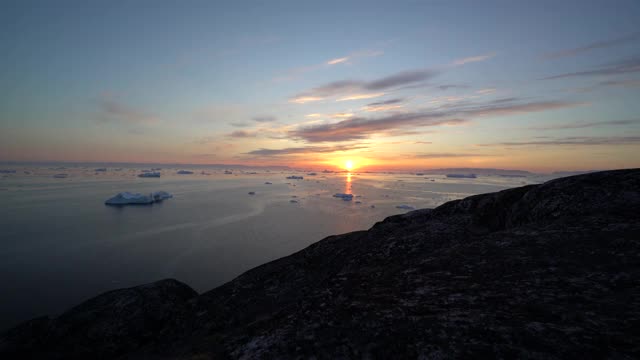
(60, 244)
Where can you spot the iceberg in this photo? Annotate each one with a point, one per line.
(293, 177)
(126, 198)
(462, 176)
(149, 175)
(161, 195)
(184, 172)
(345, 197)
(405, 207)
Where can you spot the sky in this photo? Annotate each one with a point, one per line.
(541, 86)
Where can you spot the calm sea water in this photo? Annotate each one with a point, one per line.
(61, 245)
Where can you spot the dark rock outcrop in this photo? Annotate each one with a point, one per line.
(541, 271)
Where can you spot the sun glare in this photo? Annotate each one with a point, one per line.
(348, 165)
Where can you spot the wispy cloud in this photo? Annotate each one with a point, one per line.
(239, 124)
(360, 96)
(306, 150)
(452, 86)
(473, 59)
(242, 134)
(121, 112)
(593, 46)
(449, 155)
(264, 119)
(361, 127)
(387, 102)
(337, 61)
(575, 141)
(582, 125)
(349, 88)
(622, 67)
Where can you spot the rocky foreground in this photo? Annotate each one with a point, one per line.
(536, 272)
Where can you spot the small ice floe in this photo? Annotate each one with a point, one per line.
(372, 206)
(60, 176)
(294, 196)
(267, 183)
(358, 202)
(161, 195)
(312, 174)
(252, 192)
(228, 172)
(7, 171)
(405, 207)
(127, 198)
(100, 170)
(184, 172)
(462, 176)
(204, 173)
(345, 197)
(293, 201)
(419, 174)
(293, 177)
(150, 174)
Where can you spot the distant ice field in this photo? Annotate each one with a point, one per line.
(60, 244)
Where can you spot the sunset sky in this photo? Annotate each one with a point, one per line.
(533, 85)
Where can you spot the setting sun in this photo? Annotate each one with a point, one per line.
(348, 165)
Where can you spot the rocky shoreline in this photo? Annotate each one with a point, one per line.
(540, 271)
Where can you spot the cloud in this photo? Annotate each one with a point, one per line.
(473, 59)
(593, 46)
(622, 67)
(117, 111)
(485, 91)
(401, 78)
(306, 99)
(239, 124)
(348, 87)
(360, 96)
(582, 125)
(448, 155)
(452, 86)
(264, 119)
(387, 102)
(628, 83)
(575, 140)
(306, 150)
(338, 60)
(341, 115)
(362, 128)
(242, 134)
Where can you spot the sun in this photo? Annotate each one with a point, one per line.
(348, 165)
